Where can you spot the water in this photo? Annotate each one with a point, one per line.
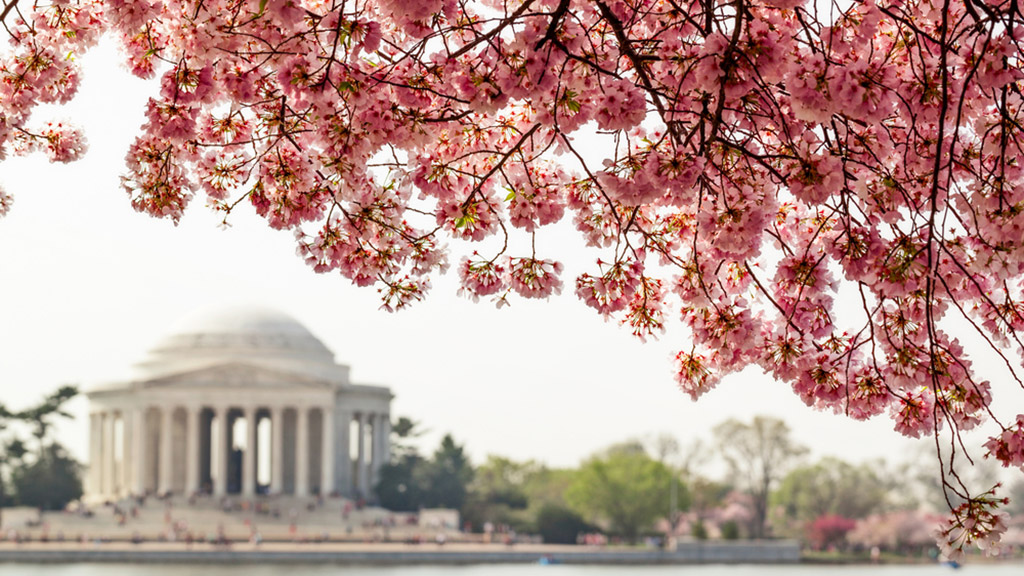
(1014, 569)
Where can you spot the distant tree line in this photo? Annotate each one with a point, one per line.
(35, 469)
(621, 490)
(637, 489)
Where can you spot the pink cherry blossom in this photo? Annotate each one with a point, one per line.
(481, 277)
(534, 278)
(5, 202)
(1008, 446)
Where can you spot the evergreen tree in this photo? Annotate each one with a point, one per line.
(448, 476)
(411, 482)
(50, 482)
(401, 484)
(46, 477)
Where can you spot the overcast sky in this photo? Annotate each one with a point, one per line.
(87, 285)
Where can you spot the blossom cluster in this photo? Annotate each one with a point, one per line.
(977, 522)
(40, 67)
(1008, 446)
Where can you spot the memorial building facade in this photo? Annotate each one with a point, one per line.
(240, 401)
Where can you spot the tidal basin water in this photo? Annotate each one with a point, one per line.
(1007, 569)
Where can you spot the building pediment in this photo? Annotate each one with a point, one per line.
(235, 375)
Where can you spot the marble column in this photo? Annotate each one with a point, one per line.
(127, 449)
(381, 445)
(343, 453)
(302, 451)
(276, 450)
(192, 450)
(327, 451)
(377, 441)
(139, 431)
(95, 454)
(362, 476)
(221, 450)
(109, 482)
(374, 462)
(386, 439)
(249, 455)
(206, 449)
(166, 450)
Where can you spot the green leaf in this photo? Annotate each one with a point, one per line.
(570, 102)
(263, 7)
(511, 195)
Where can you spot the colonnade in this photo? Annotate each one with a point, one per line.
(193, 449)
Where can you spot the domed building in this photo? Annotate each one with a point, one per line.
(240, 401)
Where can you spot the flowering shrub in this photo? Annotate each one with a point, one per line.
(828, 531)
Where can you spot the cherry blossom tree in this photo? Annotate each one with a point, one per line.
(904, 532)
(828, 531)
(758, 160)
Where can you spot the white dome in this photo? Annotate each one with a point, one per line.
(255, 336)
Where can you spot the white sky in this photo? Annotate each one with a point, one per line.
(87, 285)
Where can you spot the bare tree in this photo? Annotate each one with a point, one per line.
(758, 454)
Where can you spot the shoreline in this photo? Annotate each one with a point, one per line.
(396, 554)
